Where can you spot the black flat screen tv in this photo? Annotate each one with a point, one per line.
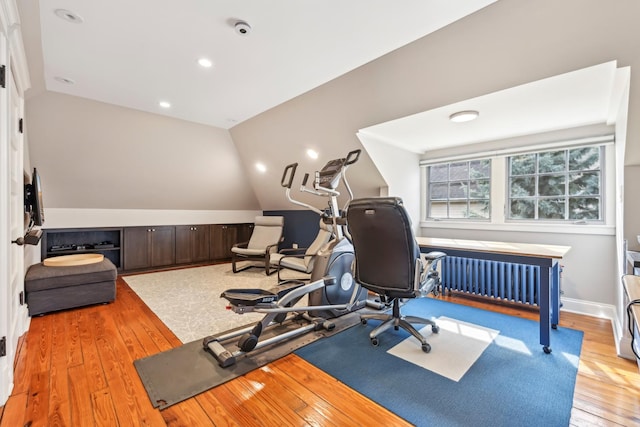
(33, 200)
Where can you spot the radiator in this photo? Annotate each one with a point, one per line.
(501, 280)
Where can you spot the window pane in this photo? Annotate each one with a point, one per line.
(584, 184)
(551, 185)
(584, 208)
(438, 191)
(438, 173)
(438, 210)
(457, 190)
(523, 165)
(479, 169)
(451, 190)
(552, 161)
(479, 209)
(523, 209)
(458, 209)
(459, 171)
(587, 158)
(551, 208)
(479, 189)
(522, 187)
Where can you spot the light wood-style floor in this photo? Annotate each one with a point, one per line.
(75, 368)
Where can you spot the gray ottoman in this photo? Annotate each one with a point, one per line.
(57, 288)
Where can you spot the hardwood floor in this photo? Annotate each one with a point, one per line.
(75, 368)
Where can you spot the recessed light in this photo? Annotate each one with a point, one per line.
(164, 104)
(68, 16)
(464, 116)
(261, 167)
(64, 80)
(205, 62)
(312, 153)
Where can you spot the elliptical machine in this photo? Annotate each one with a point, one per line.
(332, 291)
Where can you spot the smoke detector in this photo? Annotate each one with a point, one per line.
(242, 28)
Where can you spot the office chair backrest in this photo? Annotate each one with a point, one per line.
(384, 245)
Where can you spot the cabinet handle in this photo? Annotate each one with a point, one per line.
(153, 229)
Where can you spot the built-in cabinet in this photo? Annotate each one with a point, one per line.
(67, 241)
(192, 243)
(144, 248)
(148, 247)
(224, 236)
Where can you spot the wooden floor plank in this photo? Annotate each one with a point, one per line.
(76, 368)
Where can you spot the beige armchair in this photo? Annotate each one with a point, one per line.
(266, 235)
(301, 259)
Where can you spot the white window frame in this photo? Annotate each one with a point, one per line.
(499, 193)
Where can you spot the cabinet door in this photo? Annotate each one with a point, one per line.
(163, 246)
(192, 243)
(200, 243)
(223, 237)
(136, 247)
(183, 243)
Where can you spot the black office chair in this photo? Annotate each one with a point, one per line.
(388, 262)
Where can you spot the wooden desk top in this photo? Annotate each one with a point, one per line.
(509, 248)
(632, 287)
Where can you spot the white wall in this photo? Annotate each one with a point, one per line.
(401, 172)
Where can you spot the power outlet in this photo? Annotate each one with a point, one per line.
(294, 246)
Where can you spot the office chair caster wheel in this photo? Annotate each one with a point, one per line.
(363, 321)
(374, 342)
(435, 329)
(546, 349)
(426, 348)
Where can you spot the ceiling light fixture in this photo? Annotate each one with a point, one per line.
(68, 16)
(464, 116)
(312, 153)
(164, 104)
(206, 63)
(261, 167)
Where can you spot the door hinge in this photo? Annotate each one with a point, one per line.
(3, 346)
(21, 297)
(20, 125)
(2, 76)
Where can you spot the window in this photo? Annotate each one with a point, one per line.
(556, 185)
(459, 190)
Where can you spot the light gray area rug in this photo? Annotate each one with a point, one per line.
(188, 300)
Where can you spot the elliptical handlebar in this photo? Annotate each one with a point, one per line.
(352, 157)
(291, 170)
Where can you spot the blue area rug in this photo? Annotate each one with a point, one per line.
(513, 382)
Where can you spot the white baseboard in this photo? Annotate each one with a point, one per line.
(602, 311)
(621, 339)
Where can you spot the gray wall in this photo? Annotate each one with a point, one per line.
(632, 206)
(93, 155)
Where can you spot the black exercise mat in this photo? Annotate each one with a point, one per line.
(183, 372)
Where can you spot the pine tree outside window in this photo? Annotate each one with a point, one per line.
(560, 185)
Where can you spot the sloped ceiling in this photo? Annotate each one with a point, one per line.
(136, 54)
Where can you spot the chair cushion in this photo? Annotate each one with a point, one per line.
(249, 252)
(264, 235)
(297, 263)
